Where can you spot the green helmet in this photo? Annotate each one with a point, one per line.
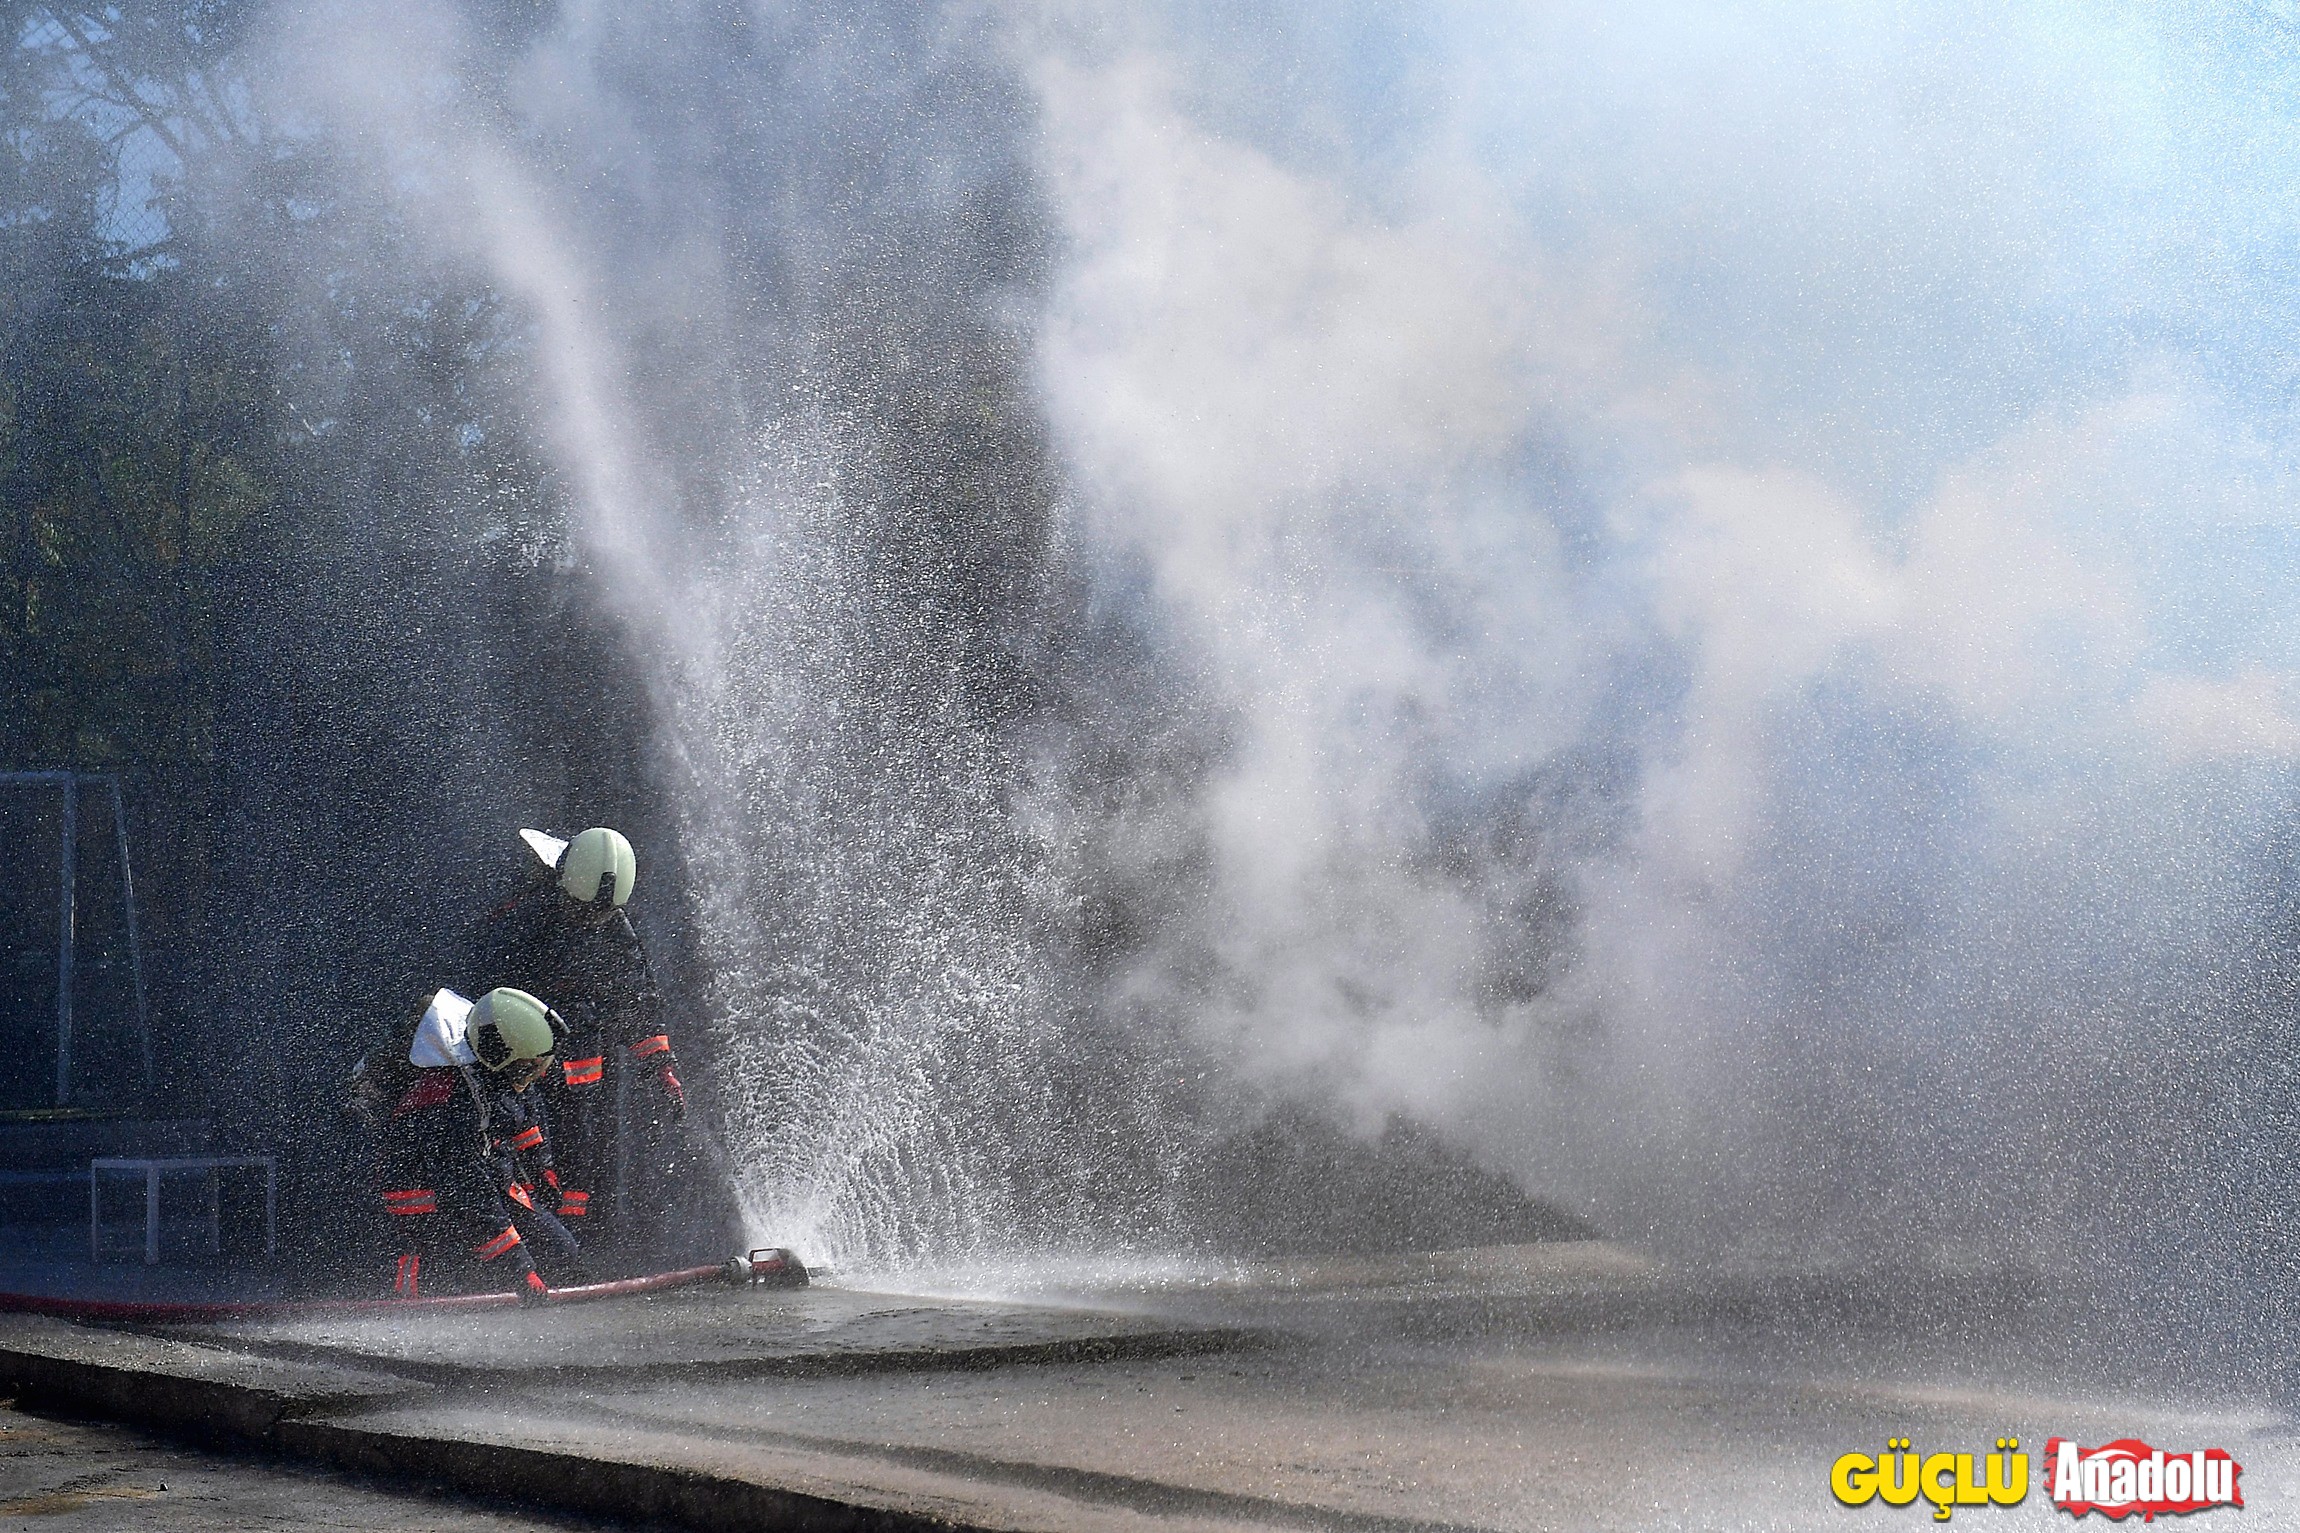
(598, 867)
(507, 1025)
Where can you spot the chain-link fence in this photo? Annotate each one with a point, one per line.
(141, 161)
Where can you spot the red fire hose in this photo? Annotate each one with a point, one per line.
(767, 1268)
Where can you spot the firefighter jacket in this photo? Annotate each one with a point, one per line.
(442, 1179)
(595, 974)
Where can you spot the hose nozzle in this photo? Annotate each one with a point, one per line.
(766, 1267)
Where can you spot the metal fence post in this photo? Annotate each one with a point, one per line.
(64, 980)
(135, 942)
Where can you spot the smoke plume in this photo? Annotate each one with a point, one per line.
(1688, 596)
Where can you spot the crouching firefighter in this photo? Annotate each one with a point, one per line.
(564, 934)
(442, 1160)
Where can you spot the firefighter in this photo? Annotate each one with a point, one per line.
(563, 934)
(446, 1145)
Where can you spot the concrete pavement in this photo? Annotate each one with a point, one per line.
(75, 1476)
(716, 1332)
(1505, 1389)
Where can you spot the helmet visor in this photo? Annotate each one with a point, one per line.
(488, 1042)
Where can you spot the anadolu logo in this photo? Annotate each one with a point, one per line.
(1948, 1480)
(2128, 1476)
(2116, 1479)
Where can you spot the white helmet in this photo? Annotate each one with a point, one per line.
(597, 868)
(507, 1025)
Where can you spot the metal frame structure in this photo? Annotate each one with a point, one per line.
(71, 784)
(151, 1168)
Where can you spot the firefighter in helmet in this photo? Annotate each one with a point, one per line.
(453, 1142)
(564, 934)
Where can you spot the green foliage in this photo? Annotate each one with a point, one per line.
(131, 442)
(178, 409)
(130, 469)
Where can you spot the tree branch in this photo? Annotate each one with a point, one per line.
(127, 98)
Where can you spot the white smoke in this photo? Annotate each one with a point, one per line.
(1729, 387)
(1808, 483)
